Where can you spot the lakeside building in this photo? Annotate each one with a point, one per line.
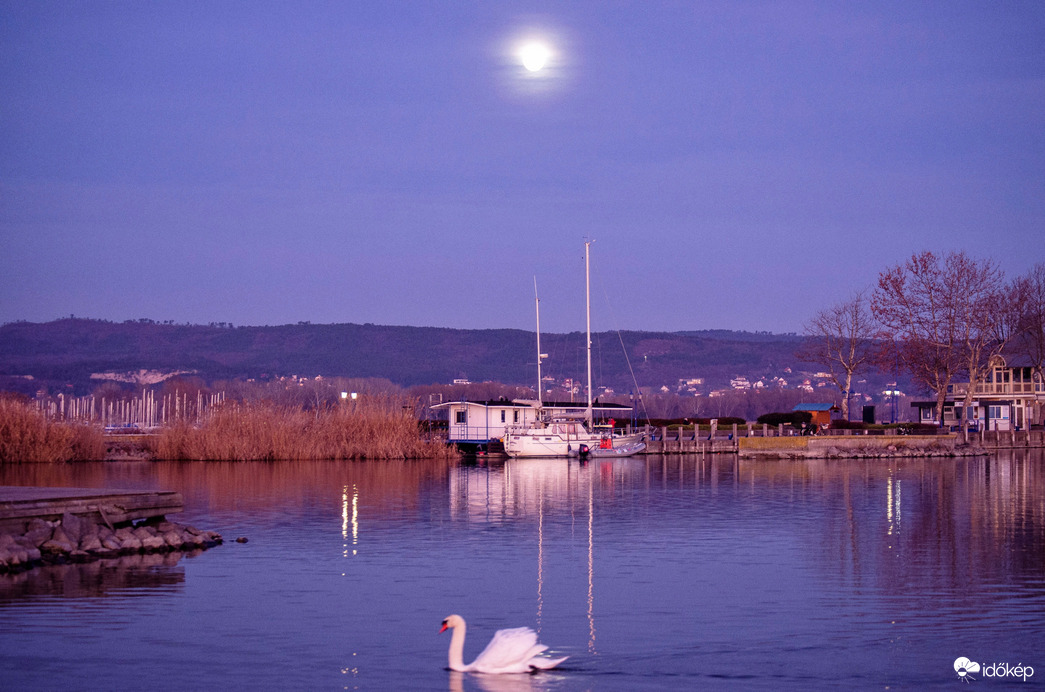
(821, 412)
(473, 424)
(1011, 397)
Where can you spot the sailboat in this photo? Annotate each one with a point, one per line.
(566, 437)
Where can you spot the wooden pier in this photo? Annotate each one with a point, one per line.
(763, 440)
(21, 504)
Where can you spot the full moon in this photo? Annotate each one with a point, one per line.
(534, 56)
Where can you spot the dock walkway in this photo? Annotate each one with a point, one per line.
(762, 440)
(21, 504)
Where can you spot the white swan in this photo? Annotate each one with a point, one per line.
(510, 651)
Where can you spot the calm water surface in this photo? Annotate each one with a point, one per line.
(650, 573)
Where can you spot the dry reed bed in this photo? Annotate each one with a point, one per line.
(26, 435)
(377, 428)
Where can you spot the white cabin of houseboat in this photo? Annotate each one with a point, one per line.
(476, 423)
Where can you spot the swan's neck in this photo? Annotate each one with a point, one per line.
(456, 656)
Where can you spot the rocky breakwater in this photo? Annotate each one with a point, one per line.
(887, 452)
(74, 538)
(857, 447)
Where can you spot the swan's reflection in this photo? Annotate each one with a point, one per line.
(519, 682)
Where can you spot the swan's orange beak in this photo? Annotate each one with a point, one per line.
(443, 628)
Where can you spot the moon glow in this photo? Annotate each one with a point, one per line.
(534, 56)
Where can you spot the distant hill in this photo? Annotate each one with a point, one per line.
(70, 350)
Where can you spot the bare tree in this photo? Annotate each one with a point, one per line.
(981, 312)
(916, 303)
(1030, 337)
(842, 339)
(946, 318)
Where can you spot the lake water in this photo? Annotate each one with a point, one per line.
(651, 573)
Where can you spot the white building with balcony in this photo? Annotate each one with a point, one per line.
(1011, 397)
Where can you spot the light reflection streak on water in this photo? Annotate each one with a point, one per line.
(350, 519)
(892, 504)
(344, 519)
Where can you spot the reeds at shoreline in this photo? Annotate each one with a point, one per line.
(379, 427)
(26, 435)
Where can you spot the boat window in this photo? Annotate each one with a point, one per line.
(502, 415)
(461, 417)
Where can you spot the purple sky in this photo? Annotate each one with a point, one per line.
(740, 164)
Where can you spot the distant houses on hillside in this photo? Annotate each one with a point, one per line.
(874, 392)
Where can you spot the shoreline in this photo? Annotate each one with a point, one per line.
(140, 447)
(61, 525)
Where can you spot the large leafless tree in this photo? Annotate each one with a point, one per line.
(1030, 337)
(984, 319)
(841, 339)
(942, 316)
(910, 301)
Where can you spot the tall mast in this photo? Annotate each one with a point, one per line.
(587, 300)
(540, 356)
